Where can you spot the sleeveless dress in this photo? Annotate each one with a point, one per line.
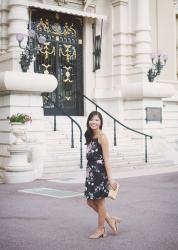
(96, 184)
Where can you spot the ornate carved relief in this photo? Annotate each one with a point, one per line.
(88, 3)
(60, 2)
(175, 2)
(119, 2)
(81, 4)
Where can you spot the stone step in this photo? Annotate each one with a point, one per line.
(67, 145)
(61, 136)
(75, 153)
(75, 170)
(128, 154)
(52, 157)
(63, 166)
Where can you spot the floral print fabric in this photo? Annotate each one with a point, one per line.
(96, 184)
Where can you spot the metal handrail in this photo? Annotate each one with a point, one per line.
(72, 121)
(117, 121)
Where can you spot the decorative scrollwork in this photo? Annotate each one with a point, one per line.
(67, 75)
(69, 52)
(67, 30)
(68, 98)
(46, 52)
(46, 68)
(43, 25)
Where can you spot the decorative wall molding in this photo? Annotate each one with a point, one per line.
(175, 2)
(61, 2)
(89, 3)
(3, 27)
(119, 2)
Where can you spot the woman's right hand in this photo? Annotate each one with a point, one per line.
(113, 184)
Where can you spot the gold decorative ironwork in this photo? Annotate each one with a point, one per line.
(69, 53)
(56, 29)
(68, 98)
(60, 55)
(46, 68)
(67, 30)
(43, 25)
(80, 41)
(67, 75)
(46, 52)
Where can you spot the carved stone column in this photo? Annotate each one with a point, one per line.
(18, 21)
(143, 40)
(131, 33)
(3, 27)
(120, 9)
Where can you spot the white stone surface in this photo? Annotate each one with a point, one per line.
(133, 29)
(17, 168)
(140, 90)
(33, 82)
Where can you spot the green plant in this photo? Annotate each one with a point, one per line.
(19, 118)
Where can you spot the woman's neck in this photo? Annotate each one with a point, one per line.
(96, 133)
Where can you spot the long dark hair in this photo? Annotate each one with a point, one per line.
(89, 132)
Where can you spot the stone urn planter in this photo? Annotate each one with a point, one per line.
(18, 126)
(19, 131)
(18, 168)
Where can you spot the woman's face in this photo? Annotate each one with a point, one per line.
(95, 122)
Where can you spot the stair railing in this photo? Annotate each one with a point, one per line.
(47, 98)
(117, 121)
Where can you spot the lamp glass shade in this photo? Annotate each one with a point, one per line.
(19, 37)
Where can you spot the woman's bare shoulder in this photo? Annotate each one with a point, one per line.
(103, 138)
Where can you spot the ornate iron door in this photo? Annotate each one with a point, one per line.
(61, 55)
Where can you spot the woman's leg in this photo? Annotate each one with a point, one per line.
(99, 206)
(110, 220)
(100, 203)
(92, 204)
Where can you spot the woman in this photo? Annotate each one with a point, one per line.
(98, 174)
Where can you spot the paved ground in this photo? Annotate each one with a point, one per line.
(148, 206)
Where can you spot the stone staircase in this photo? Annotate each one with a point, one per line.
(62, 160)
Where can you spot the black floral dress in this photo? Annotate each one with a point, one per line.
(96, 184)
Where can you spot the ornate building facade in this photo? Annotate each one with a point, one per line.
(100, 49)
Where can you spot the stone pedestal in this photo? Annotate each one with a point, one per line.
(18, 169)
(21, 93)
(36, 157)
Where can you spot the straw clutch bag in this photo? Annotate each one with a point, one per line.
(113, 193)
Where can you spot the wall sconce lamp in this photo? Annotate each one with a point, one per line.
(158, 61)
(31, 49)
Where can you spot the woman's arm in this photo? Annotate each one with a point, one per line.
(105, 148)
